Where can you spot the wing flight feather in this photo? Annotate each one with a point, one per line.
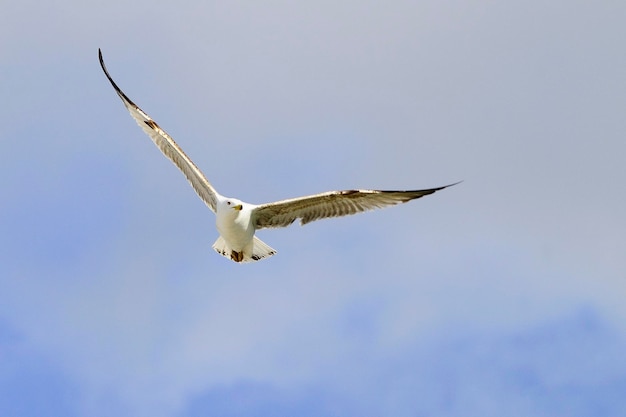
(167, 145)
(331, 204)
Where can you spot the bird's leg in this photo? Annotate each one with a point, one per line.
(236, 256)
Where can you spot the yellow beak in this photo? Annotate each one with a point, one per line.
(238, 207)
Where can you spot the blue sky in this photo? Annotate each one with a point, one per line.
(500, 296)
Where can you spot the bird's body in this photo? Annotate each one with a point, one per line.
(238, 221)
(234, 221)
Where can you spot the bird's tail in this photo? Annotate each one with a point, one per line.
(255, 252)
(260, 250)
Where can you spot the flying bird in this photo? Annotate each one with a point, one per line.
(237, 221)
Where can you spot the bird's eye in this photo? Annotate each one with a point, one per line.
(228, 202)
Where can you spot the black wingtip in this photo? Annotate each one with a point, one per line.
(119, 92)
(432, 190)
(101, 60)
(104, 68)
(446, 186)
(450, 185)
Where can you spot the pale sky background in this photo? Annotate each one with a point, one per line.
(502, 296)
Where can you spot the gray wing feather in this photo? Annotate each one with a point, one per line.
(331, 204)
(168, 146)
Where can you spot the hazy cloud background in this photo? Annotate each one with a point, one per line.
(501, 296)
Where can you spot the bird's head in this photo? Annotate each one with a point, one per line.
(232, 205)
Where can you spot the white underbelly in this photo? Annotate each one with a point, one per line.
(237, 234)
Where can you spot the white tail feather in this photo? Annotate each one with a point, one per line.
(222, 247)
(255, 251)
(260, 250)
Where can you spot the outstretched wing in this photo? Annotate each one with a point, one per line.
(168, 146)
(331, 204)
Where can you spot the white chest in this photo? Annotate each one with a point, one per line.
(235, 227)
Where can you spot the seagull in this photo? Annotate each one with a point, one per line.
(237, 221)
